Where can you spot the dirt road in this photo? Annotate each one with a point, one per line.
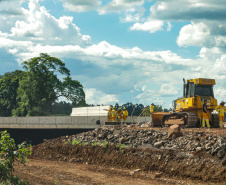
(46, 172)
(59, 162)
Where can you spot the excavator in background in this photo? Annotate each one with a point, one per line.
(187, 110)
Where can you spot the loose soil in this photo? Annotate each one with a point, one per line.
(56, 161)
(45, 172)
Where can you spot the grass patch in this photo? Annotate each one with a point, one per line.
(95, 143)
(75, 142)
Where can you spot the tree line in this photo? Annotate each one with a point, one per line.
(139, 109)
(65, 108)
(36, 89)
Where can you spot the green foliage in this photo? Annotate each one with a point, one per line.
(10, 154)
(34, 91)
(40, 88)
(56, 182)
(136, 109)
(104, 144)
(120, 146)
(73, 91)
(9, 83)
(61, 108)
(84, 143)
(166, 110)
(95, 143)
(76, 142)
(158, 108)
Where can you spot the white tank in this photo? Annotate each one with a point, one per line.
(90, 111)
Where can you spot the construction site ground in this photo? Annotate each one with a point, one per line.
(55, 162)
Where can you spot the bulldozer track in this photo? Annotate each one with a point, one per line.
(192, 120)
(189, 122)
(215, 122)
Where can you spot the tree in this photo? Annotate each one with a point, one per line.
(61, 108)
(40, 87)
(9, 84)
(73, 91)
(166, 110)
(11, 153)
(158, 108)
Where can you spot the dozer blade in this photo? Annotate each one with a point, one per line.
(186, 119)
(174, 121)
(157, 118)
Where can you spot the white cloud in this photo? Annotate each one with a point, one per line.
(106, 54)
(220, 94)
(9, 7)
(41, 27)
(168, 90)
(94, 96)
(81, 5)
(189, 10)
(121, 6)
(130, 18)
(157, 96)
(151, 26)
(169, 26)
(195, 34)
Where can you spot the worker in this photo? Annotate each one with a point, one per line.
(113, 114)
(205, 117)
(109, 113)
(119, 114)
(221, 109)
(125, 114)
(152, 108)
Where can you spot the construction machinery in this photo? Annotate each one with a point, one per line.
(188, 110)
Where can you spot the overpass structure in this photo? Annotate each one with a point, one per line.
(60, 122)
(81, 118)
(35, 129)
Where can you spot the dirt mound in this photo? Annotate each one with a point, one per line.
(195, 165)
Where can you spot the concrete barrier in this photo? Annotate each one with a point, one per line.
(61, 122)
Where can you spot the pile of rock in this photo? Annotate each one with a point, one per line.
(148, 138)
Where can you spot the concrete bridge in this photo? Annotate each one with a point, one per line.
(35, 129)
(60, 122)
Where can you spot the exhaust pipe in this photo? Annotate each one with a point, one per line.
(184, 88)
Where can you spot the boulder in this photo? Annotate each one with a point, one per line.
(158, 144)
(158, 175)
(145, 125)
(221, 153)
(224, 162)
(174, 131)
(198, 148)
(135, 171)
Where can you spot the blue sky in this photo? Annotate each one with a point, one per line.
(120, 50)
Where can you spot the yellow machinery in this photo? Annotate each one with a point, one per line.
(188, 110)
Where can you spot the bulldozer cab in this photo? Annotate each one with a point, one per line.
(192, 90)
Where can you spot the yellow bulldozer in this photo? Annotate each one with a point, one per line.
(188, 110)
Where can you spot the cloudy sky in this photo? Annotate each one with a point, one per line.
(121, 50)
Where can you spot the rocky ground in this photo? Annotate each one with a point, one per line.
(149, 138)
(197, 156)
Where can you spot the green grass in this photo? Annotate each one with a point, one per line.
(75, 142)
(95, 143)
(56, 182)
(121, 147)
(104, 144)
(84, 143)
